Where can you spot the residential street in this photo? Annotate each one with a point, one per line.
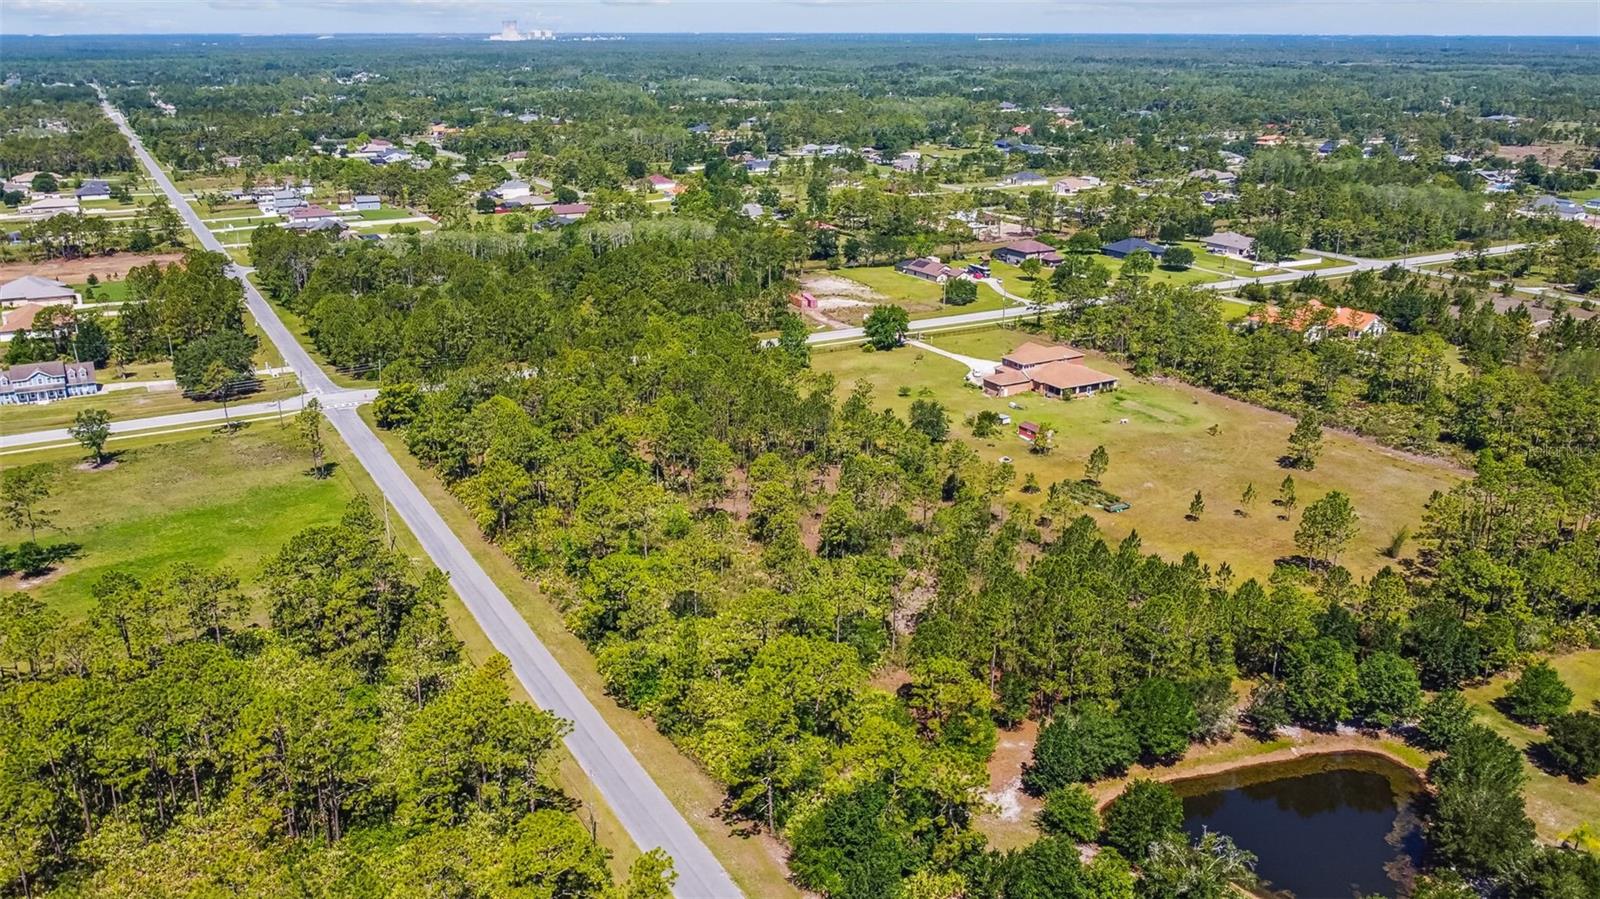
(639, 804)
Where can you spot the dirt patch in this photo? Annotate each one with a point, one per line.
(90, 466)
(1012, 751)
(840, 292)
(76, 271)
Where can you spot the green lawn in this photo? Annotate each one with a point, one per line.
(385, 214)
(207, 498)
(135, 403)
(104, 292)
(1163, 454)
(1556, 804)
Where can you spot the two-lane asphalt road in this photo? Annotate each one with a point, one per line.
(643, 809)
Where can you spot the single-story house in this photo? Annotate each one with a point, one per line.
(1560, 207)
(511, 190)
(1073, 184)
(42, 382)
(367, 202)
(48, 206)
(1230, 243)
(307, 216)
(1129, 245)
(531, 201)
(570, 210)
(1018, 179)
(752, 210)
(1005, 381)
(1022, 250)
(230, 162)
(928, 268)
(1059, 380)
(94, 189)
(661, 183)
(758, 166)
(16, 319)
(1217, 175)
(1316, 321)
(34, 289)
(700, 128)
(1032, 355)
(909, 161)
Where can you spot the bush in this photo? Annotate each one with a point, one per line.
(1161, 716)
(960, 291)
(1444, 719)
(1070, 812)
(1145, 813)
(1574, 744)
(1537, 696)
(1079, 747)
(1390, 689)
(1322, 685)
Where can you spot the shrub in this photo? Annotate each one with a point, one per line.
(1444, 719)
(1390, 688)
(1070, 812)
(1537, 696)
(1161, 717)
(1574, 744)
(1074, 748)
(1144, 814)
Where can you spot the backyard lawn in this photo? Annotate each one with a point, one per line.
(1163, 454)
(1556, 804)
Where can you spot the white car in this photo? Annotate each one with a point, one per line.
(1005, 460)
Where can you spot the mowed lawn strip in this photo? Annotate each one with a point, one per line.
(1162, 455)
(756, 863)
(136, 402)
(1557, 805)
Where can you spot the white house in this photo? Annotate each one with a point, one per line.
(1073, 184)
(48, 206)
(367, 202)
(662, 183)
(511, 190)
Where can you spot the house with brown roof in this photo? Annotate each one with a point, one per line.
(1050, 369)
(43, 382)
(1022, 250)
(1316, 321)
(928, 268)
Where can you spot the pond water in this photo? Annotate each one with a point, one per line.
(1325, 827)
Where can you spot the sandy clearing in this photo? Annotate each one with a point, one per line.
(76, 271)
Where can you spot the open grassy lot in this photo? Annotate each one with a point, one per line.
(1163, 454)
(756, 863)
(202, 497)
(135, 403)
(872, 285)
(1556, 804)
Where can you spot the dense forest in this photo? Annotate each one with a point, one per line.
(743, 542)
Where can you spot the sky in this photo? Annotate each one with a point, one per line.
(1456, 17)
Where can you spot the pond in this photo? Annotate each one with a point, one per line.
(1323, 827)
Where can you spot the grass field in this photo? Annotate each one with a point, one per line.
(104, 292)
(206, 498)
(1164, 454)
(922, 299)
(754, 862)
(1556, 805)
(135, 403)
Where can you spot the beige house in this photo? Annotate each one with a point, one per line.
(1050, 369)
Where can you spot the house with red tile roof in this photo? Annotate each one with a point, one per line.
(1316, 321)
